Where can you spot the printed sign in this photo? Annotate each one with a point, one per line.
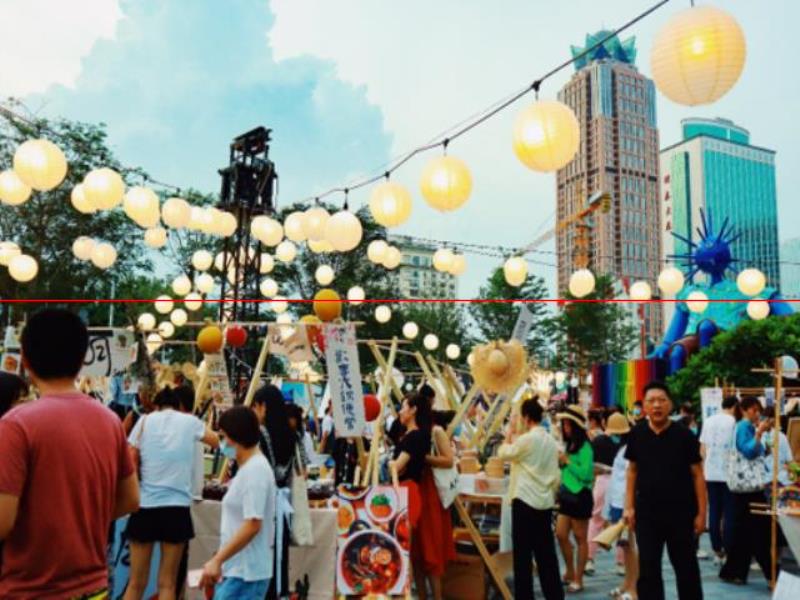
(110, 351)
(11, 363)
(290, 341)
(218, 382)
(344, 377)
(523, 325)
(710, 402)
(11, 340)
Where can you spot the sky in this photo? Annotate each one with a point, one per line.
(348, 85)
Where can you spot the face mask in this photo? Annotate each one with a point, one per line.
(615, 438)
(227, 451)
(637, 412)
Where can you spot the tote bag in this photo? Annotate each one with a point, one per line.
(744, 474)
(302, 532)
(446, 480)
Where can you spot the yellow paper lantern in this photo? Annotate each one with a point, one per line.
(751, 282)
(758, 309)
(202, 260)
(581, 283)
(23, 268)
(392, 258)
(178, 317)
(228, 225)
(209, 339)
(431, 342)
(79, 201)
(670, 281)
(320, 246)
(193, 301)
(197, 217)
(268, 288)
(141, 204)
(146, 321)
(327, 305)
(314, 221)
(181, 285)
(383, 314)
(446, 183)
(515, 271)
(546, 135)
(356, 295)
(104, 255)
(390, 204)
(267, 263)
(459, 265)
(103, 188)
(410, 330)
(204, 283)
(266, 230)
(293, 226)
(13, 190)
(164, 304)
(697, 301)
(82, 247)
(698, 55)
(166, 329)
(343, 230)
(452, 351)
(8, 250)
(216, 221)
(641, 291)
(286, 251)
(442, 259)
(176, 213)
(376, 251)
(324, 274)
(40, 164)
(155, 237)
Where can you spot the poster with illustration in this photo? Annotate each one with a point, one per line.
(374, 540)
(11, 363)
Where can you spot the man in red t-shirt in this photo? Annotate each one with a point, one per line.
(65, 472)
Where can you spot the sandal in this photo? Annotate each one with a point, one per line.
(574, 588)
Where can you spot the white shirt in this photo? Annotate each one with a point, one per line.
(534, 468)
(251, 495)
(327, 424)
(717, 437)
(167, 450)
(615, 494)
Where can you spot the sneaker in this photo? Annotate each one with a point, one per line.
(589, 569)
(702, 555)
(718, 560)
(620, 570)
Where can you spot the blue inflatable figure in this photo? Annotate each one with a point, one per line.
(691, 331)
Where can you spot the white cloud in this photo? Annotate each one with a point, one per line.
(42, 42)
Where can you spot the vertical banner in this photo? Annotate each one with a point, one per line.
(218, 382)
(523, 325)
(710, 401)
(344, 379)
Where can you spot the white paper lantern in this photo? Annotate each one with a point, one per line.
(79, 200)
(430, 341)
(286, 251)
(181, 285)
(697, 301)
(758, 309)
(156, 237)
(376, 251)
(141, 204)
(442, 259)
(193, 301)
(670, 281)
(13, 190)
(215, 221)
(446, 183)
(471, 358)
(314, 222)
(751, 282)
(103, 188)
(178, 317)
(392, 258)
(515, 271)
(204, 283)
(202, 260)
(23, 268)
(452, 351)
(343, 230)
(164, 304)
(8, 250)
(146, 321)
(324, 274)
(40, 164)
(176, 213)
(641, 291)
(279, 305)
(206, 221)
(219, 261)
(267, 263)
(268, 287)
(546, 135)
(698, 55)
(82, 247)
(166, 329)
(390, 204)
(459, 265)
(266, 230)
(320, 246)
(581, 283)
(383, 314)
(293, 226)
(356, 295)
(104, 255)
(229, 224)
(197, 217)
(410, 330)
(154, 342)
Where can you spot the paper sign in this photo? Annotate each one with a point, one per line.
(11, 363)
(710, 402)
(110, 351)
(291, 342)
(11, 340)
(523, 325)
(787, 588)
(344, 377)
(218, 382)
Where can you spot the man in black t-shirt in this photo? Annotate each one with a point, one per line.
(666, 497)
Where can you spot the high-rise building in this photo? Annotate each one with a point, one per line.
(715, 169)
(790, 268)
(416, 277)
(618, 154)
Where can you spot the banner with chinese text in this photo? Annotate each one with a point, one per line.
(344, 379)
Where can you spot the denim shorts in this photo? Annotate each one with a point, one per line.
(234, 588)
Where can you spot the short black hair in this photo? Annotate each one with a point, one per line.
(443, 418)
(531, 409)
(185, 395)
(166, 398)
(729, 402)
(687, 407)
(12, 388)
(427, 391)
(657, 385)
(749, 402)
(54, 343)
(240, 424)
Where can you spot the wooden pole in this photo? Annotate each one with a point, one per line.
(372, 473)
(466, 403)
(776, 431)
(257, 370)
(398, 394)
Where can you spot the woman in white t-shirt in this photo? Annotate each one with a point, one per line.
(242, 567)
(163, 443)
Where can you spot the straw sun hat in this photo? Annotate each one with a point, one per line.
(617, 424)
(574, 413)
(499, 366)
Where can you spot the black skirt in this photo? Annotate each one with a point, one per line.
(170, 524)
(575, 506)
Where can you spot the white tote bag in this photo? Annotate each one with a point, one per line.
(744, 474)
(446, 480)
(302, 531)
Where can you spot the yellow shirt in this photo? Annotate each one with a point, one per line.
(535, 475)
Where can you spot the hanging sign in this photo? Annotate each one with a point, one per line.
(523, 325)
(218, 382)
(289, 341)
(710, 402)
(110, 351)
(344, 378)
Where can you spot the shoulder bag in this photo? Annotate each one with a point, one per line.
(302, 531)
(446, 479)
(744, 474)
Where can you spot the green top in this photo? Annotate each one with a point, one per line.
(578, 473)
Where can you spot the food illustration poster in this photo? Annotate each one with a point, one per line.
(374, 541)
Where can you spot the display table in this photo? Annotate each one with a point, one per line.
(317, 561)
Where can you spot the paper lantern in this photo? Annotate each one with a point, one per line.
(446, 183)
(356, 295)
(104, 255)
(268, 288)
(79, 202)
(392, 258)
(581, 283)
(202, 260)
(219, 261)
(459, 265)
(546, 135)
(410, 330)
(314, 221)
(697, 301)
(209, 339)
(8, 250)
(156, 237)
(452, 351)
(206, 221)
(641, 291)
(176, 213)
(229, 224)
(698, 55)
(164, 304)
(266, 230)
(204, 283)
(193, 301)
(82, 247)
(383, 314)
(327, 305)
(40, 164)
(146, 321)
(390, 204)
(286, 251)
(181, 285)
(515, 271)
(196, 218)
(372, 407)
(141, 204)
(343, 230)
(103, 188)
(471, 358)
(13, 190)
(670, 281)
(23, 268)
(233, 276)
(442, 259)
(376, 251)
(178, 317)
(166, 329)
(216, 221)
(758, 309)
(279, 305)
(235, 336)
(324, 274)
(320, 246)
(751, 282)
(430, 341)
(293, 227)
(267, 263)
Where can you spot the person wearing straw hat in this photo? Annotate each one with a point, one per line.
(575, 495)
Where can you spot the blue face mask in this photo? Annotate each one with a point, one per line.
(227, 451)
(615, 438)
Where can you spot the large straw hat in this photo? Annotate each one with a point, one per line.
(499, 366)
(574, 413)
(617, 424)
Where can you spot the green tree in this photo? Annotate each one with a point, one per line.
(447, 321)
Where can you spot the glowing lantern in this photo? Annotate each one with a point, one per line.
(376, 251)
(8, 250)
(758, 309)
(268, 287)
(471, 358)
(228, 225)
(392, 258)
(697, 301)
(23, 268)
(156, 237)
(293, 227)
(267, 263)
(193, 301)
(219, 261)
(324, 274)
(40, 164)
(142, 206)
(209, 339)
(146, 321)
(390, 204)
(442, 259)
(286, 251)
(670, 281)
(154, 342)
(279, 304)
(181, 285)
(383, 314)
(314, 221)
(459, 265)
(166, 329)
(178, 317)
(356, 295)
(79, 202)
(202, 260)
(446, 183)
(410, 330)
(343, 230)
(13, 190)
(164, 305)
(103, 188)
(104, 255)
(430, 341)
(82, 247)
(751, 282)
(204, 283)
(266, 230)
(320, 246)
(196, 218)
(641, 291)
(452, 351)
(698, 55)
(581, 283)
(546, 135)
(327, 305)
(515, 271)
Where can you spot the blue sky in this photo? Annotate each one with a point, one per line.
(348, 84)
